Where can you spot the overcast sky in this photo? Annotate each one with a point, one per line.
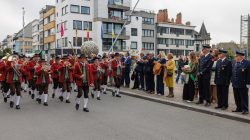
(221, 17)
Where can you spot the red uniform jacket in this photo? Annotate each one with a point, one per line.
(54, 70)
(10, 74)
(39, 72)
(30, 69)
(78, 73)
(2, 71)
(114, 67)
(105, 66)
(51, 62)
(61, 70)
(95, 72)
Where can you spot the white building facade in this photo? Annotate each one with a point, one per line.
(175, 38)
(90, 20)
(35, 35)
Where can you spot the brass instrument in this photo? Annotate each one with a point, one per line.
(14, 65)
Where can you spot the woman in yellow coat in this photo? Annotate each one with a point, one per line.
(169, 74)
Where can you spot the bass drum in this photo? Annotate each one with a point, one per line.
(89, 47)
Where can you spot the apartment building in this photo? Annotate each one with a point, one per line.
(141, 31)
(35, 35)
(47, 29)
(173, 36)
(97, 20)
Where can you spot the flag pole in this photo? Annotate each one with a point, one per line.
(123, 27)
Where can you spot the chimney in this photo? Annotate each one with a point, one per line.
(188, 23)
(178, 18)
(172, 20)
(162, 16)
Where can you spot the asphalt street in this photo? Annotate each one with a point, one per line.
(125, 118)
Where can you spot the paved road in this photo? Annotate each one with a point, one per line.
(111, 118)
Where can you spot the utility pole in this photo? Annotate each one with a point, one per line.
(23, 50)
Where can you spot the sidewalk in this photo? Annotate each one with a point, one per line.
(178, 102)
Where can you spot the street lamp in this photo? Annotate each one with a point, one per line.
(23, 50)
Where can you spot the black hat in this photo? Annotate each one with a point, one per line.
(104, 56)
(65, 57)
(206, 46)
(222, 51)
(57, 58)
(95, 58)
(240, 53)
(42, 60)
(117, 54)
(82, 56)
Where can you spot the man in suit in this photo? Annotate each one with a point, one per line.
(127, 69)
(204, 75)
(241, 83)
(222, 79)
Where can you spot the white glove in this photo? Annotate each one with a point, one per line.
(248, 86)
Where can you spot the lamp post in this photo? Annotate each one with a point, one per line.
(23, 50)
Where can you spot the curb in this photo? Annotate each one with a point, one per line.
(209, 111)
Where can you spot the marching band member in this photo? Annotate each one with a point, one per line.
(104, 66)
(43, 81)
(55, 76)
(66, 78)
(14, 80)
(97, 77)
(5, 86)
(31, 75)
(82, 73)
(117, 74)
(23, 64)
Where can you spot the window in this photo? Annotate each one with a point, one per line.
(164, 41)
(86, 39)
(85, 10)
(147, 46)
(75, 9)
(148, 33)
(115, 14)
(162, 30)
(133, 31)
(148, 20)
(133, 45)
(77, 25)
(79, 41)
(87, 25)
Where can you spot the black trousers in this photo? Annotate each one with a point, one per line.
(15, 88)
(32, 84)
(97, 85)
(160, 84)
(204, 90)
(43, 88)
(5, 86)
(127, 78)
(150, 83)
(55, 83)
(66, 86)
(137, 82)
(104, 80)
(142, 80)
(118, 81)
(83, 89)
(241, 98)
(222, 95)
(189, 90)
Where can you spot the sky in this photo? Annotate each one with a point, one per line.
(221, 17)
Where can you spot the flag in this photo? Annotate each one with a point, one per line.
(88, 36)
(113, 33)
(62, 30)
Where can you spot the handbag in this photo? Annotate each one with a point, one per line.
(169, 74)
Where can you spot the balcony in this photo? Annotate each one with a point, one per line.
(49, 25)
(119, 4)
(113, 19)
(49, 39)
(108, 34)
